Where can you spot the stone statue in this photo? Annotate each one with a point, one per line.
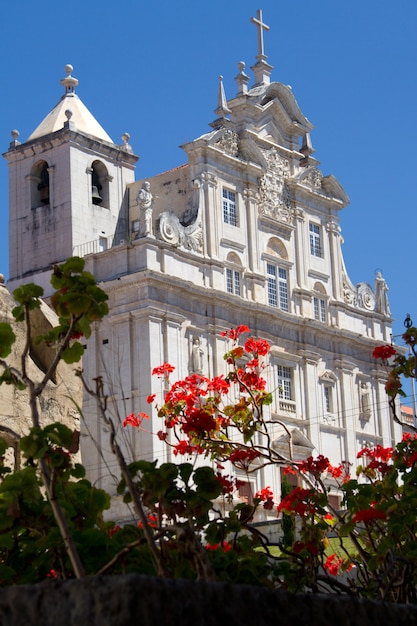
(197, 354)
(381, 297)
(365, 404)
(145, 199)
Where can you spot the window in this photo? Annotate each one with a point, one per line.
(328, 400)
(135, 226)
(102, 244)
(277, 286)
(99, 184)
(39, 184)
(315, 240)
(284, 382)
(319, 309)
(233, 281)
(229, 207)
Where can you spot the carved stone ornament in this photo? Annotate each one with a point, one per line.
(314, 178)
(366, 297)
(362, 297)
(229, 142)
(275, 200)
(174, 232)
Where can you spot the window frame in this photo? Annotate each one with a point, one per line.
(277, 286)
(233, 281)
(316, 240)
(230, 208)
(319, 306)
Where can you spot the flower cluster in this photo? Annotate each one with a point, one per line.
(135, 420)
(300, 501)
(384, 352)
(266, 496)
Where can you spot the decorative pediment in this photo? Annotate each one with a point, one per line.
(293, 445)
(228, 142)
(284, 108)
(328, 378)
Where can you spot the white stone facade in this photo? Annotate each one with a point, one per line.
(247, 232)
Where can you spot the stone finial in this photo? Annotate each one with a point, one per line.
(242, 79)
(15, 134)
(68, 114)
(69, 82)
(222, 108)
(126, 146)
(306, 150)
(2, 280)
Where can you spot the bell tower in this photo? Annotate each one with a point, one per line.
(67, 190)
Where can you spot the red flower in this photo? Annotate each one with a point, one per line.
(267, 497)
(135, 420)
(52, 574)
(163, 370)
(161, 435)
(225, 546)
(114, 530)
(234, 333)
(77, 335)
(314, 466)
(244, 457)
(257, 346)
(383, 352)
(333, 564)
(367, 515)
(151, 398)
(300, 501)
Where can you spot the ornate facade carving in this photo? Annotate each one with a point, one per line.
(313, 178)
(172, 230)
(229, 142)
(361, 297)
(275, 199)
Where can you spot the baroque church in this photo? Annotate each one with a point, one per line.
(247, 231)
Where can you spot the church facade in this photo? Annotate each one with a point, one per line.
(246, 232)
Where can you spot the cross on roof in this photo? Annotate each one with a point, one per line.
(260, 27)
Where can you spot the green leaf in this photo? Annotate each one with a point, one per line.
(73, 353)
(7, 339)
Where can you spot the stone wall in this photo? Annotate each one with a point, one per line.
(125, 600)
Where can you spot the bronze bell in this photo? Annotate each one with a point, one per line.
(97, 199)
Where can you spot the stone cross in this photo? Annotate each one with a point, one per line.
(260, 27)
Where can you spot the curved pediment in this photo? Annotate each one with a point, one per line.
(313, 178)
(282, 95)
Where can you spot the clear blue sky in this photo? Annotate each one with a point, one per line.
(151, 69)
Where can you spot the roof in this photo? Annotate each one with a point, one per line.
(70, 107)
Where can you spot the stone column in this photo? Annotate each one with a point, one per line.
(335, 261)
(349, 407)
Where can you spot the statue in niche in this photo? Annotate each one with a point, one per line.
(197, 354)
(381, 295)
(145, 199)
(364, 399)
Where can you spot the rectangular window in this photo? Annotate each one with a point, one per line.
(229, 207)
(135, 226)
(233, 282)
(102, 244)
(285, 382)
(315, 240)
(319, 309)
(277, 286)
(328, 404)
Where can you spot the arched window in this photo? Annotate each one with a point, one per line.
(320, 303)
(233, 274)
(39, 190)
(277, 274)
(99, 184)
